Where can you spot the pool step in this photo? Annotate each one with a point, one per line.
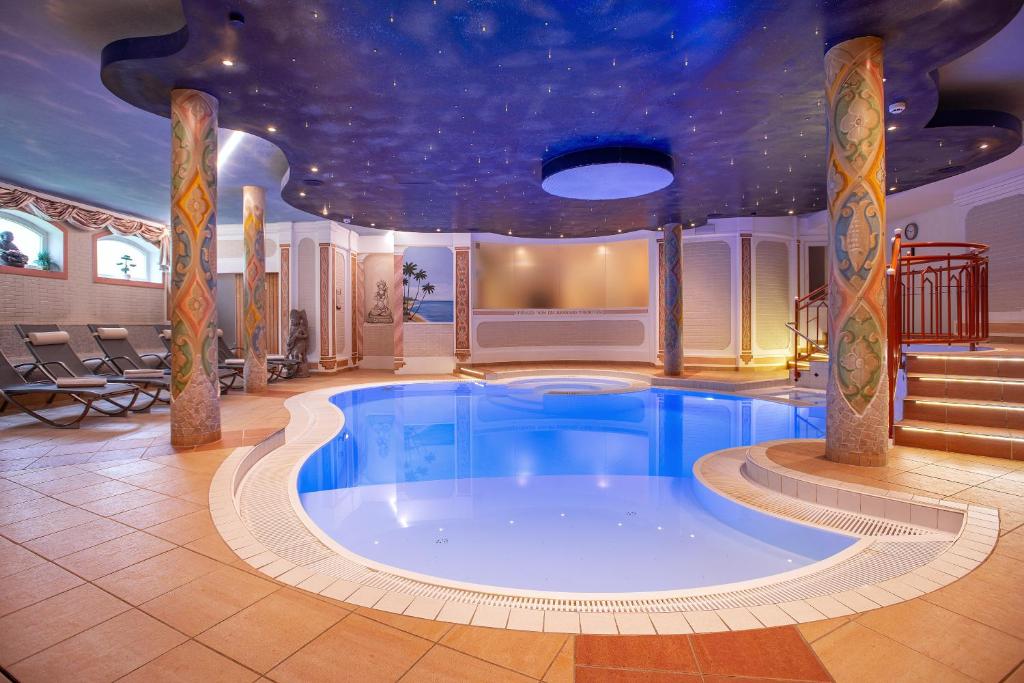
(470, 373)
(978, 440)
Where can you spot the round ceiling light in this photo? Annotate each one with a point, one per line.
(607, 173)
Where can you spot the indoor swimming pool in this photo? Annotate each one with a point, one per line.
(564, 486)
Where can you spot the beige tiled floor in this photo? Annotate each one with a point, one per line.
(110, 567)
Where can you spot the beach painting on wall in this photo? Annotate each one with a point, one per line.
(428, 285)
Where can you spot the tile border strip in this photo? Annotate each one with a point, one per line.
(274, 539)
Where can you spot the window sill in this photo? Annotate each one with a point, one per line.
(33, 272)
(127, 283)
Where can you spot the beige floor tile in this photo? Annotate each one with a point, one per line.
(364, 649)
(1012, 544)
(188, 662)
(813, 630)
(48, 523)
(1017, 676)
(443, 664)
(854, 653)
(46, 623)
(561, 670)
(75, 481)
(977, 650)
(111, 487)
(33, 585)
(956, 474)
(150, 578)
(184, 529)
(424, 628)
(932, 485)
(262, 635)
(31, 508)
(15, 559)
(102, 653)
(119, 553)
(208, 600)
(123, 502)
(156, 513)
(523, 651)
(213, 546)
(77, 538)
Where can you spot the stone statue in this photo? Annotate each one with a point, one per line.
(298, 340)
(381, 312)
(10, 255)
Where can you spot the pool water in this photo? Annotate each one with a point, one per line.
(525, 486)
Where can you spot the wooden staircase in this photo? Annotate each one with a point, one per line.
(965, 402)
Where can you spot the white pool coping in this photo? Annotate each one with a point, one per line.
(900, 554)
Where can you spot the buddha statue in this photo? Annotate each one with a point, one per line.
(10, 255)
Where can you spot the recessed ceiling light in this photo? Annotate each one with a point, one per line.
(227, 62)
(271, 129)
(983, 145)
(438, 230)
(892, 189)
(373, 225)
(791, 212)
(893, 127)
(314, 169)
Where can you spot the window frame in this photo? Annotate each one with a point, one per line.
(28, 223)
(99, 279)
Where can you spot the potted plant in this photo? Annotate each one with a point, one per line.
(125, 265)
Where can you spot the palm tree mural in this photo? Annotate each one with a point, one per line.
(415, 289)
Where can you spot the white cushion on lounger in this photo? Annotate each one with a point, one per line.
(47, 338)
(166, 334)
(144, 373)
(220, 332)
(78, 382)
(276, 356)
(235, 362)
(112, 333)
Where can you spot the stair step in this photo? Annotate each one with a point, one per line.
(967, 387)
(994, 442)
(982, 364)
(996, 414)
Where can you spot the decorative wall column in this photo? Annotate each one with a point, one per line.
(359, 317)
(328, 357)
(355, 307)
(195, 388)
(672, 303)
(398, 309)
(746, 290)
(462, 323)
(254, 291)
(285, 286)
(858, 387)
(661, 300)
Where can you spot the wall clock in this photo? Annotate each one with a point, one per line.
(910, 232)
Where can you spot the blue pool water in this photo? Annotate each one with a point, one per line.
(526, 486)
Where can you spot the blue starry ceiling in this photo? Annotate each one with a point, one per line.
(429, 115)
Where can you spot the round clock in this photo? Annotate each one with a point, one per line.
(910, 232)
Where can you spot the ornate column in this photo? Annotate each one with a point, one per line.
(746, 327)
(353, 267)
(195, 388)
(254, 297)
(359, 312)
(858, 387)
(328, 356)
(661, 299)
(285, 286)
(462, 324)
(398, 309)
(672, 301)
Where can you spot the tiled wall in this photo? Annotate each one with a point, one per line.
(429, 340)
(77, 299)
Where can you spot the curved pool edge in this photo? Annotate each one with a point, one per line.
(274, 537)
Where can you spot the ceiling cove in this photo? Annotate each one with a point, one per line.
(428, 115)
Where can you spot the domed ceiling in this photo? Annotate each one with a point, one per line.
(432, 115)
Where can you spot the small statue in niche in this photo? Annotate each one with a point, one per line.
(298, 340)
(381, 312)
(10, 255)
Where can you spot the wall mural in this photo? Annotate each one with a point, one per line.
(428, 291)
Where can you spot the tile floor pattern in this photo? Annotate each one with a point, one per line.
(110, 567)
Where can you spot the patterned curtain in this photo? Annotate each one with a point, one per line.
(81, 218)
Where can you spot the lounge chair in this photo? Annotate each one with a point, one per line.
(278, 367)
(14, 389)
(51, 348)
(228, 373)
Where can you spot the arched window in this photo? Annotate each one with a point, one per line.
(128, 259)
(40, 241)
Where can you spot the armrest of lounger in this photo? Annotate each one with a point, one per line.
(100, 362)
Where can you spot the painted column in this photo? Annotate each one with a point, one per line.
(858, 387)
(672, 286)
(398, 309)
(195, 389)
(254, 297)
(746, 326)
(328, 356)
(359, 319)
(353, 267)
(285, 287)
(661, 300)
(462, 324)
